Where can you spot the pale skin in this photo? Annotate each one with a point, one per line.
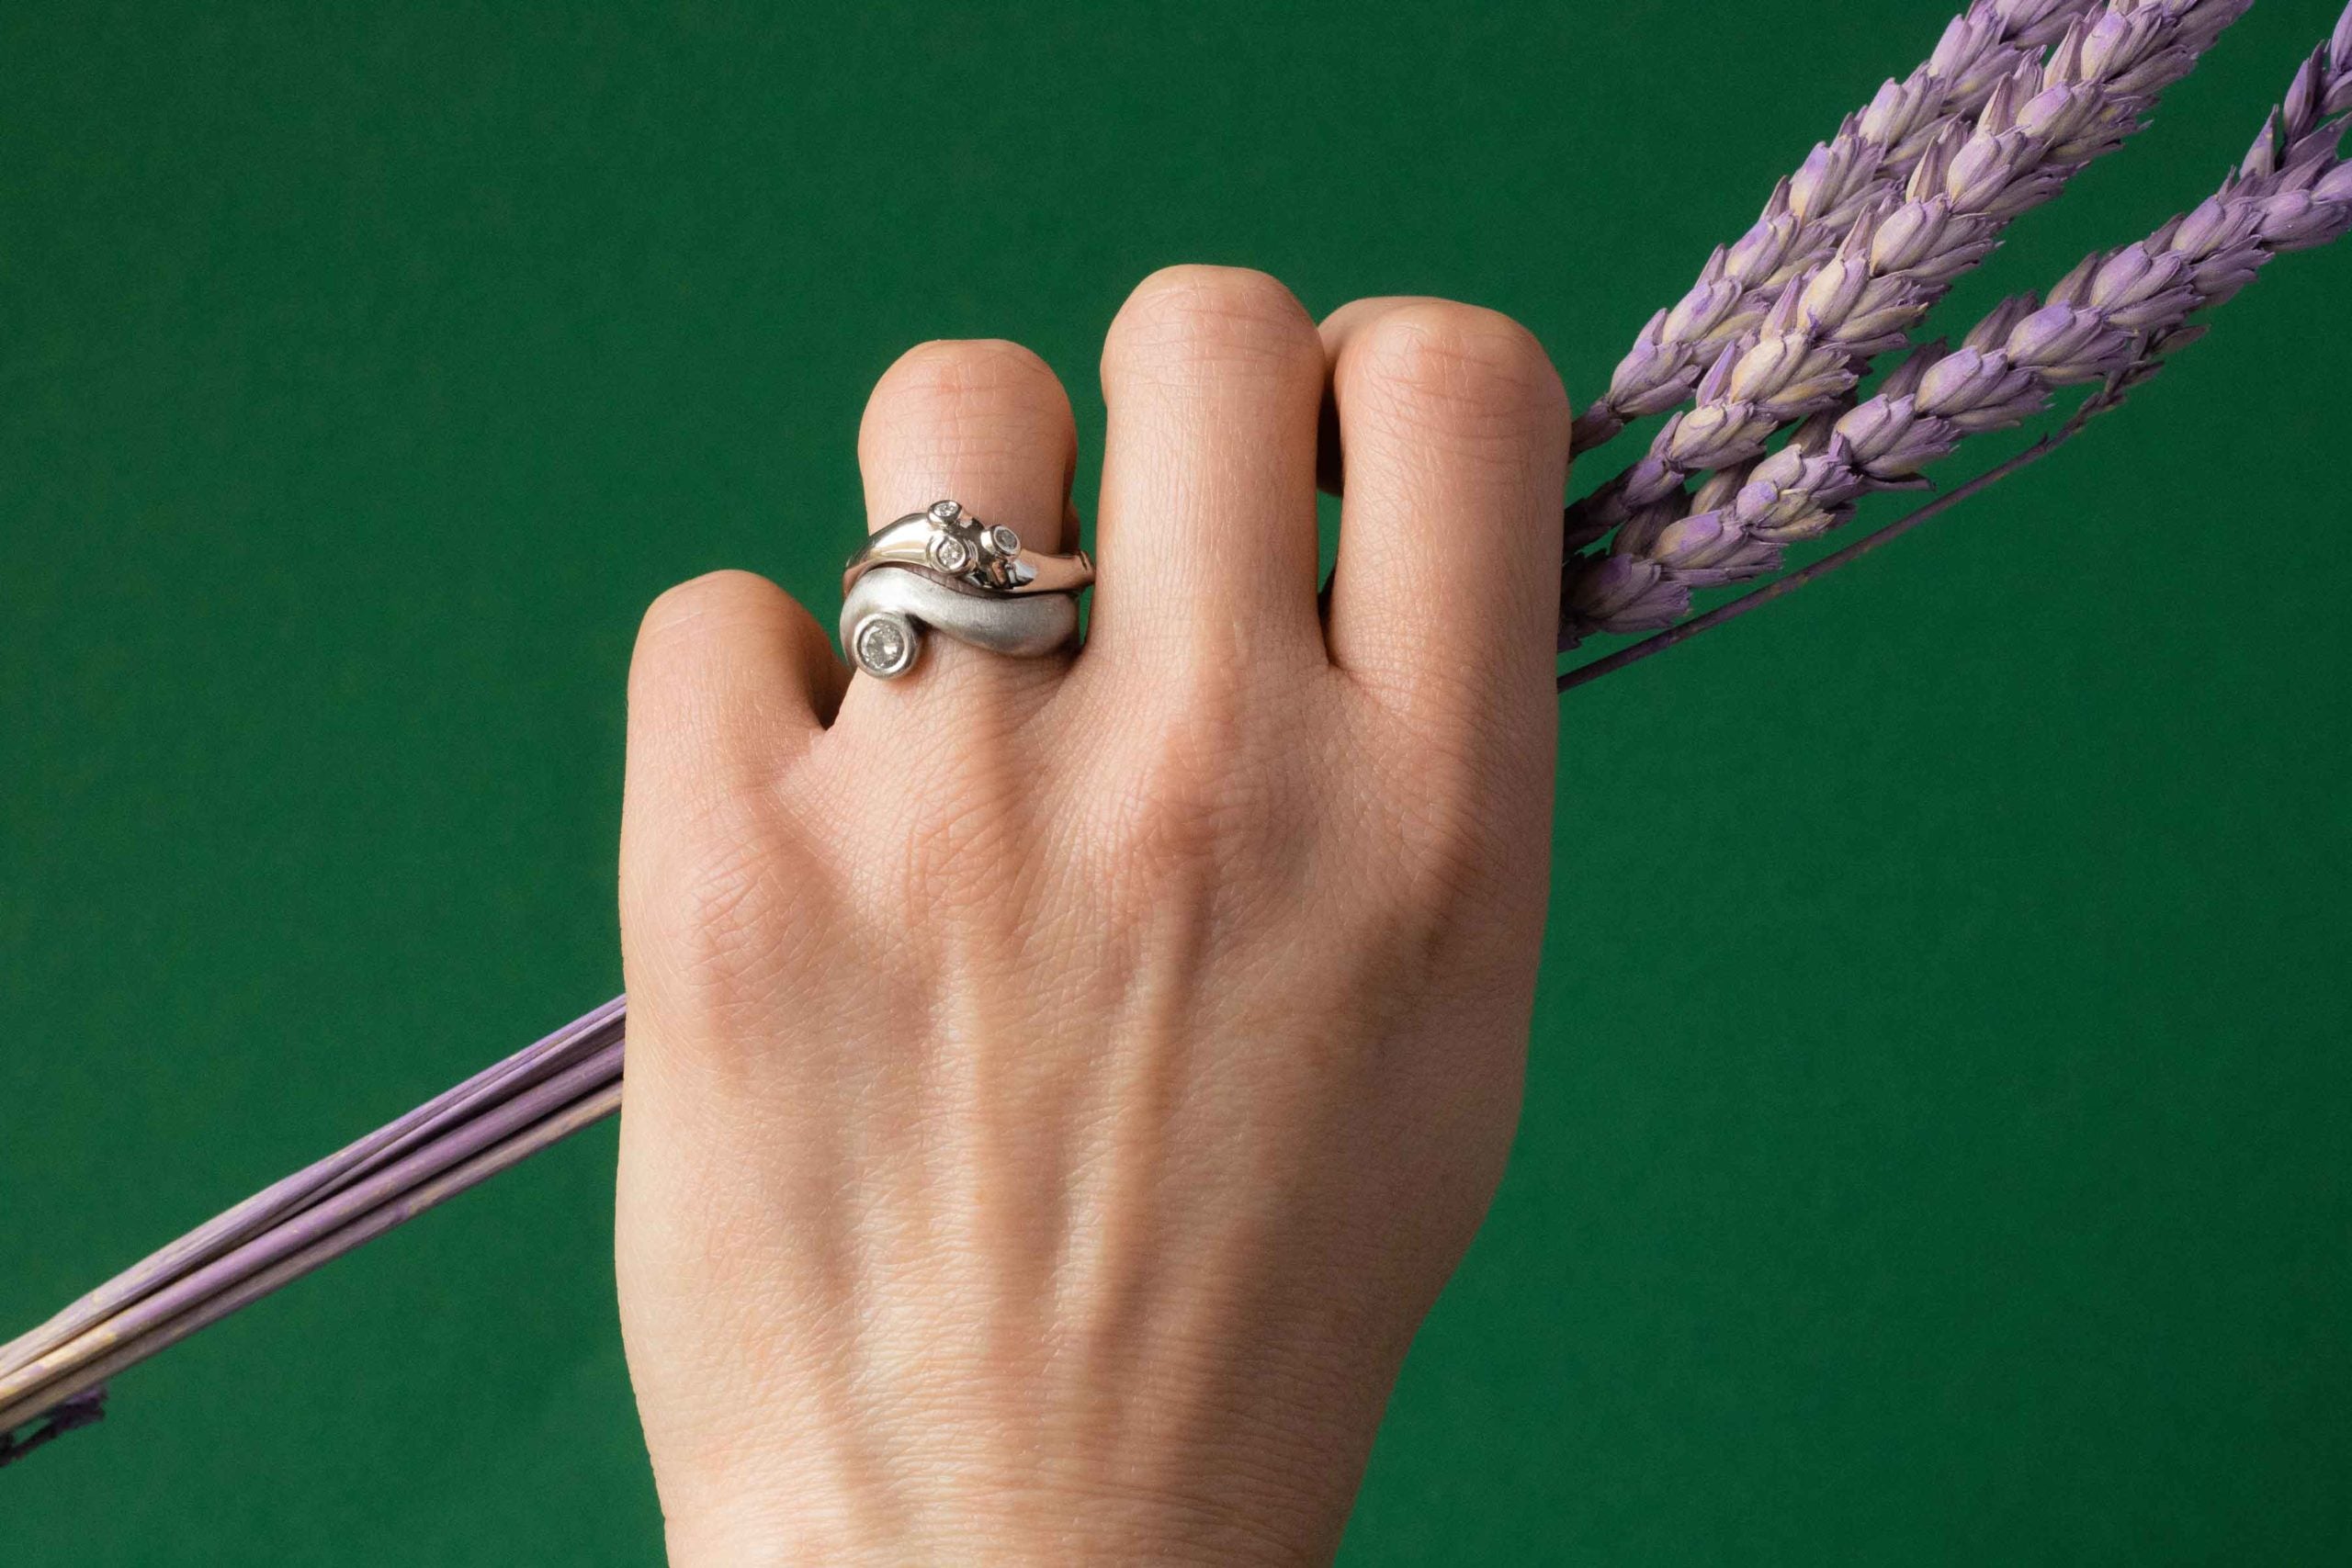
(1059, 1088)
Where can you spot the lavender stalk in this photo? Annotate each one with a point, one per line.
(2038, 126)
(533, 1098)
(1858, 170)
(2112, 320)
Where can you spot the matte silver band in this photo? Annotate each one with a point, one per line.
(886, 613)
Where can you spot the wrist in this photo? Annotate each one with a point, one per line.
(1016, 1523)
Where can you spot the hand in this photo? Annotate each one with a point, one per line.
(1059, 1088)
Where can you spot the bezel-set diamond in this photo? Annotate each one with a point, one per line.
(884, 645)
(986, 555)
(950, 554)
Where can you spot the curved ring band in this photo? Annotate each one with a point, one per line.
(947, 540)
(888, 608)
(942, 570)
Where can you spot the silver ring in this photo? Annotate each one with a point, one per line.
(942, 570)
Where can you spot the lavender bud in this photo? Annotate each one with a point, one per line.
(1907, 235)
(1905, 378)
(1809, 525)
(2261, 159)
(1982, 167)
(1966, 41)
(1716, 490)
(1712, 435)
(1707, 548)
(2119, 40)
(1900, 109)
(2136, 290)
(1976, 63)
(2291, 221)
(2075, 289)
(1638, 536)
(2065, 344)
(1758, 256)
(2000, 110)
(1969, 379)
(1836, 290)
(1626, 593)
(1829, 177)
(1884, 320)
(2020, 399)
(2212, 225)
(1650, 480)
(1995, 328)
(2065, 62)
(1711, 385)
(1928, 178)
(1874, 427)
(2219, 277)
(2301, 110)
(1790, 483)
(1900, 445)
(2056, 112)
(1698, 312)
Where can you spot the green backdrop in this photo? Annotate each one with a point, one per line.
(1937, 1134)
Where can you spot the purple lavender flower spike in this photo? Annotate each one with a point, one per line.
(2037, 125)
(2109, 321)
(1854, 173)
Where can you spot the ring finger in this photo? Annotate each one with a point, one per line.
(985, 424)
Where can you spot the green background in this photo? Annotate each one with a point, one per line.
(1939, 1123)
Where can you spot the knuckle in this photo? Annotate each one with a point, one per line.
(1183, 320)
(1460, 364)
(1198, 797)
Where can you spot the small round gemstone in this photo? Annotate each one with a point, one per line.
(945, 511)
(1005, 540)
(951, 554)
(882, 647)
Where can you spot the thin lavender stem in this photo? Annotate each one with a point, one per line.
(254, 1256)
(320, 1180)
(582, 1113)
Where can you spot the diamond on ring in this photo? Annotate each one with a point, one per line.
(883, 646)
(951, 554)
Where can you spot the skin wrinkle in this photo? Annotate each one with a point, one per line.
(1068, 1081)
